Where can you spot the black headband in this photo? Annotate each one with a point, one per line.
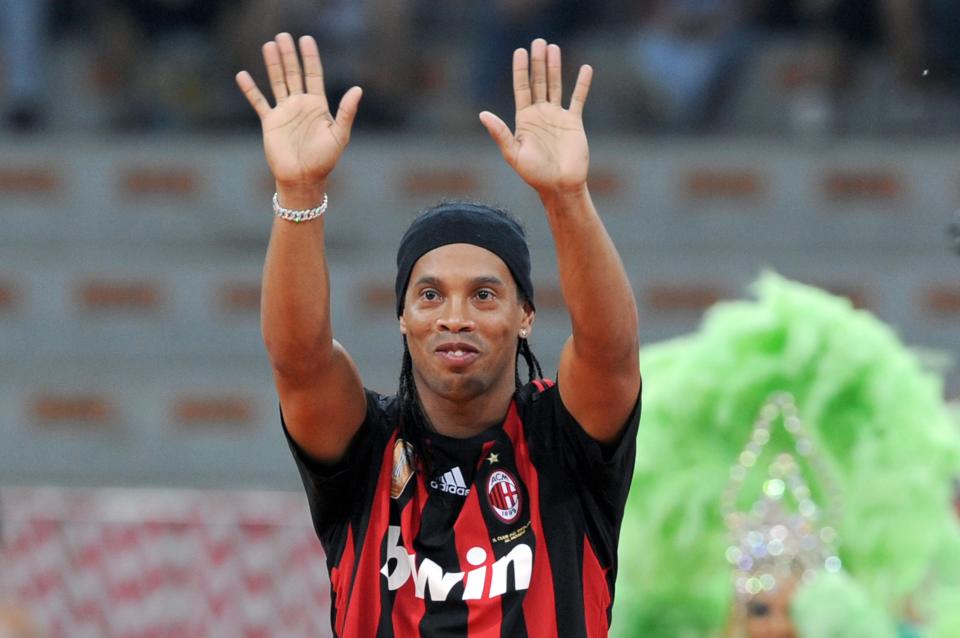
(464, 223)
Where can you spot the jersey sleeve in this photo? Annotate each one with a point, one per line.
(336, 490)
(600, 473)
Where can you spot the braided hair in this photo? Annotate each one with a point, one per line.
(414, 423)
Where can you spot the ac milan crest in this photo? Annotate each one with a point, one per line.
(503, 494)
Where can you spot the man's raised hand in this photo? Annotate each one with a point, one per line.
(301, 138)
(549, 148)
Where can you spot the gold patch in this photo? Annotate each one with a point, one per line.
(402, 470)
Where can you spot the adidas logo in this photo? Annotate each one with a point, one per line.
(451, 482)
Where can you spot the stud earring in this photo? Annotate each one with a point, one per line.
(523, 333)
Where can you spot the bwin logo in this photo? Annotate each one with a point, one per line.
(431, 576)
(451, 482)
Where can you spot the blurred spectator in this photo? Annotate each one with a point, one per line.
(22, 33)
(680, 53)
(864, 61)
(502, 26)
(846, 29)
(943, 33)
(859, 66)
(158, 54)
(362, 42)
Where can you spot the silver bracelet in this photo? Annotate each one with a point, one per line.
(297, 216)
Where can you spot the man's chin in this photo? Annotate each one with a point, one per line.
(457, 385)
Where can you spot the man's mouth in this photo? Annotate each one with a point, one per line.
(458, 352)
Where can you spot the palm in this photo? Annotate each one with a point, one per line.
(302, 139)
(549, 147)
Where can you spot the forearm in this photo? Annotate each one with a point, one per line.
(595, 287)
(295, 296)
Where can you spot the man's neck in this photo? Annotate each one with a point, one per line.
(464, 418)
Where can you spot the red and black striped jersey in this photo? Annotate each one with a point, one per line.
(515, 535)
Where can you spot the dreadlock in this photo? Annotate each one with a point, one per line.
(414, 423)
(533, 366)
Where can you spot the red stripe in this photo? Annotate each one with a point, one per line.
(596, 593)
(363, 611)
(408, 610)
(542, 384)
(340, 579)
(539, 605)
(485, 615)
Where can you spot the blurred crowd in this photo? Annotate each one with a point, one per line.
(683, 66)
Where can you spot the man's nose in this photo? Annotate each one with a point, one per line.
(456, 316)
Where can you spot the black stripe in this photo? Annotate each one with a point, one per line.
(359, 523)
(561, 514)
(333, 612)
(447, 618)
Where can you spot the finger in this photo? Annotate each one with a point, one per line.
(253, 94)
(271, 58)
(554, 83)
(312, 68)
(521, 79)
(580, 91)
(291, 64)
(501, 134)
(347, 110)
(538, 57)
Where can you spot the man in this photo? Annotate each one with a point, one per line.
(466, 505)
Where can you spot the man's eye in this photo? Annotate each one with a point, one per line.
(430, 295)
(484, 295)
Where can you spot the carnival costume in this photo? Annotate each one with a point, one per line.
(791, 433)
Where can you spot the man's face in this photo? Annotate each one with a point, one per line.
(768, 613)
(462, 316)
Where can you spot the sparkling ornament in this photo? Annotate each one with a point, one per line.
(784, 533)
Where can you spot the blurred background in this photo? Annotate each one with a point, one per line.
(139, 435)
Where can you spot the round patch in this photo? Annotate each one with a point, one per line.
(503, 494)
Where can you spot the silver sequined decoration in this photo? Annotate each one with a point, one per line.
(784, 533)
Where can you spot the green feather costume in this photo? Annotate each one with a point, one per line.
(877, 418)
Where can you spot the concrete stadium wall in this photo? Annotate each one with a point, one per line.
(129, 338)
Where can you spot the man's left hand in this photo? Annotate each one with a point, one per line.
(549, 148)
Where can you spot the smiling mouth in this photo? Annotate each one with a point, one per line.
(457, 353)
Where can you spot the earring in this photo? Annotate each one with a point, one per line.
(523, 333)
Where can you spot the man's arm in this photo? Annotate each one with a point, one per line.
(321, 394)
(599, 375)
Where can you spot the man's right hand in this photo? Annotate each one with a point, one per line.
(302, 140)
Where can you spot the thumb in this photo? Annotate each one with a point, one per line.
(501, 134)
(347, 110)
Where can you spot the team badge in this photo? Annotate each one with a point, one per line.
(503, 494)
(402, 470)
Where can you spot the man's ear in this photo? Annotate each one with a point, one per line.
(403, 326)
(529, 314)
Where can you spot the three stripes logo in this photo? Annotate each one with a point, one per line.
(504, 495)
(451, 482)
